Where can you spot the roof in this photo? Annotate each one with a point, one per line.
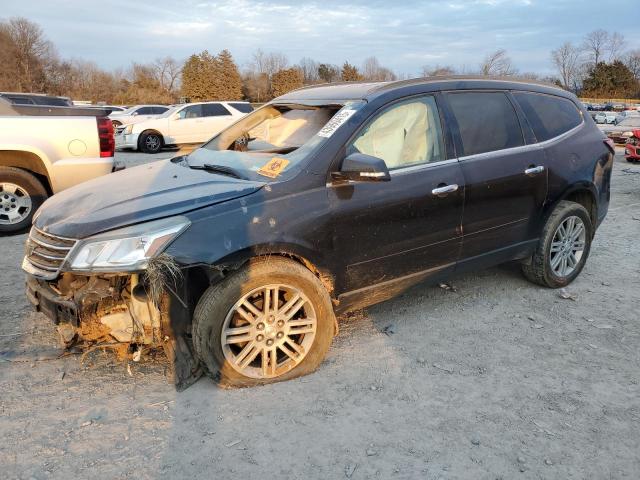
(344, 91)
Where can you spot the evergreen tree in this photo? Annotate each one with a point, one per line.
(230, 80)
(350, 73)
(610, 80)
(286, 80)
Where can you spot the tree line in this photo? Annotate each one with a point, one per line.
(599, 67)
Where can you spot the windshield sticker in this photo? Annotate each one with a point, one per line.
(333, 124)
(274, 167)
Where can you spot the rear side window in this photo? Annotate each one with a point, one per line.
(242, 107)
(214, 110)
(145, 111)
(487, 122)
(548, 116)
(159, 110)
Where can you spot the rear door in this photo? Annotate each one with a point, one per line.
(144, 113)
(505, 176)
(216, 118)
(383, 231)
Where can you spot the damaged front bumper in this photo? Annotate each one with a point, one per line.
(113, 311)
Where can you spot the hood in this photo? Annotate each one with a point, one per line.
(135, 195)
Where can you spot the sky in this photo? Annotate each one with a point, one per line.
(404, 36)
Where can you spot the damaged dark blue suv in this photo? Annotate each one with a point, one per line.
(237, 258)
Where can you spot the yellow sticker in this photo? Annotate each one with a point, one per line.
(274, 167)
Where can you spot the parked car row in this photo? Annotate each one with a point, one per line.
(182, 124)
(327, 199)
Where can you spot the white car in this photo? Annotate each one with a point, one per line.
(626, 114)
(137, 113)
(188, 123)
(605, 117)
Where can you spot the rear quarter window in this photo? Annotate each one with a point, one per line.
(242, 107)
(487, 122)
(548, 116)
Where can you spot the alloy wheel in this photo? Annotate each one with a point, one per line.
(269, 331)
(567, 246)
(15, 203)
(152, 142)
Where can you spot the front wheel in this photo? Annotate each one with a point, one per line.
(150, 142)
(272, 320)
(21, 194)
(563, 247)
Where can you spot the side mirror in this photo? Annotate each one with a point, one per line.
(176, 116)
(359, 167)
(134, 114)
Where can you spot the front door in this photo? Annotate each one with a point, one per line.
(506, 180)
(187, 126)
(383, 231)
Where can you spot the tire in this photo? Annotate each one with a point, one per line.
(21, 194)
(217, 309)
(150, 142)
(541, 270)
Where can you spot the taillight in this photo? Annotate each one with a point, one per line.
(105, 135)
(612, 146)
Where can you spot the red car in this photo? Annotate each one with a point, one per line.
(632, 147)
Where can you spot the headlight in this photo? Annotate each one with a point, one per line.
(126, 249)
(128, 129)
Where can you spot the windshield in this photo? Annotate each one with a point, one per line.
(273, 136)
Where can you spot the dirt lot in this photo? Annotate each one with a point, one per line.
(498, 379)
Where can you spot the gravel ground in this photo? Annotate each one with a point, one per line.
(497, 379)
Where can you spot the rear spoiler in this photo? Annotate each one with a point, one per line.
(11, 109)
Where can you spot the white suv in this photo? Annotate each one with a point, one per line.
(188, 123)
(137, 114)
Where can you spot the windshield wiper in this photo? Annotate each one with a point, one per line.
(221, 169)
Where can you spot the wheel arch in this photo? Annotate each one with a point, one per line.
(309, 259)
(27, 160)
(583, 193)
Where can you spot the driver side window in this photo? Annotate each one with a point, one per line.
(406, 134)
(192, 111)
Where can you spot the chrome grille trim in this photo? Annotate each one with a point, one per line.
(45, 253)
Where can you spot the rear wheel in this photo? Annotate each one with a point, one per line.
(21, 194)
(563, 247)
(270, 321)
(150, 142)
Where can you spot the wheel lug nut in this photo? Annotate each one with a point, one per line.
(271, 318)
(269, 342)
(280, 335)
(281, 323)
(260, 326)
(259, 338)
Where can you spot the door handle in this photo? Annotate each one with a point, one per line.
(531, 171)
(444, 190)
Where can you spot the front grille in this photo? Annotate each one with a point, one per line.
(46, 253)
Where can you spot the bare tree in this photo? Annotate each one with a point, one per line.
(373, 71)
(309, 69)
(33, 53)
(566, 59)
(595, 45)
(615, 46)
(632, 61)
(437, 70)
(268, 63)
(498, 63)
(167, 72)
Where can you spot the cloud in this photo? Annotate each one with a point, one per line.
(403, 35)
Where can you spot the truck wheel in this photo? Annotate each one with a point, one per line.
(563, 247)
(21, 194)
(272, 320)
(150, 142)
